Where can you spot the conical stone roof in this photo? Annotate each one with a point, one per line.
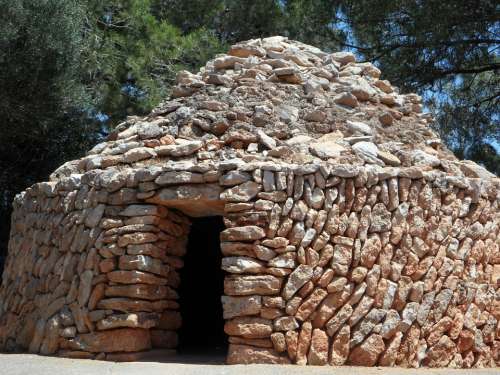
(275, 100)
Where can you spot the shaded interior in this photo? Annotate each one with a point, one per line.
(200, 291)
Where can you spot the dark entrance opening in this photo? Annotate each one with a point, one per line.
(202, 285)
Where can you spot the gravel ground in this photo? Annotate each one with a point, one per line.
(27, 364)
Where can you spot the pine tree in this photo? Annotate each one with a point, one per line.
(132, 56)
(448, 52)
(42, 103)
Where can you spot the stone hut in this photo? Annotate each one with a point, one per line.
(349, 234)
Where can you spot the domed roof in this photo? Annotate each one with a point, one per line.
(280, 101)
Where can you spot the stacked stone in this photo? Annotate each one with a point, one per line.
(275, 99)
(331, 266)
(353, 236)
(92, 277)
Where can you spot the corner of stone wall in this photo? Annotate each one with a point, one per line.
(91, 273)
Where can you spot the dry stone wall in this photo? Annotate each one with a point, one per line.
(325, 265)
(353, 235)
(90, 265)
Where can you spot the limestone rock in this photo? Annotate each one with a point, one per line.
(135, 277)
(318, 353)
(248, 285)
(239, 306)
(137, 320)
(340, 347)
(241, 193)
(244, 354)
(368, 352)
(296, 280)
(249, 327)
(116, 340)
(359, 127)
(248, 233)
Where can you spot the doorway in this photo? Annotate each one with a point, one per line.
(202, 285)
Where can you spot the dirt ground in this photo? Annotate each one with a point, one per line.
(28, 364)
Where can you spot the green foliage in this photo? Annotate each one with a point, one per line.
(467, 118)
(42, 103)
(310, 21)
(131, 56)
(445, 50)
(315, 22)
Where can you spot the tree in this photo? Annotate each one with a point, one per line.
(315, 22)
(42, 104)
(131, 56)
(445, 50)
(309, 21)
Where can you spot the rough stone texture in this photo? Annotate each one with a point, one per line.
(353, 236)
(244, 354)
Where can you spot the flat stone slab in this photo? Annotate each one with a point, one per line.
(28, 364)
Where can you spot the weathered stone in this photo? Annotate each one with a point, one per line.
(240, 306)
(138, 154)
(117, 340)
(266, 140)
(370, 251)
(143, 210)
(318, 353)
(381, 219)
(50, 343)
(359, 127)
(135, 277)
(241, 193)
(310, 304)
(389, 357)
(94, 216)
(85, 287)
(408, 316)
(361, 310)
(174, 178)
(390, 325)
(334, 324)
(248, 233)
(389, 158)
(249, 327)
(249, 285)
(232, 178)
(303, 343)
(368, 352)
(143, 263)
(136, 239)
(125, 305)
(367, 151)
(371, 319)
(286, 323)
(347, 99)
(340, 347)
(244, 354)
(440, 354)
(279, 342)
(170, 320)
(242, 265)
(137, 320)
(142, 291)
(296, 280)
